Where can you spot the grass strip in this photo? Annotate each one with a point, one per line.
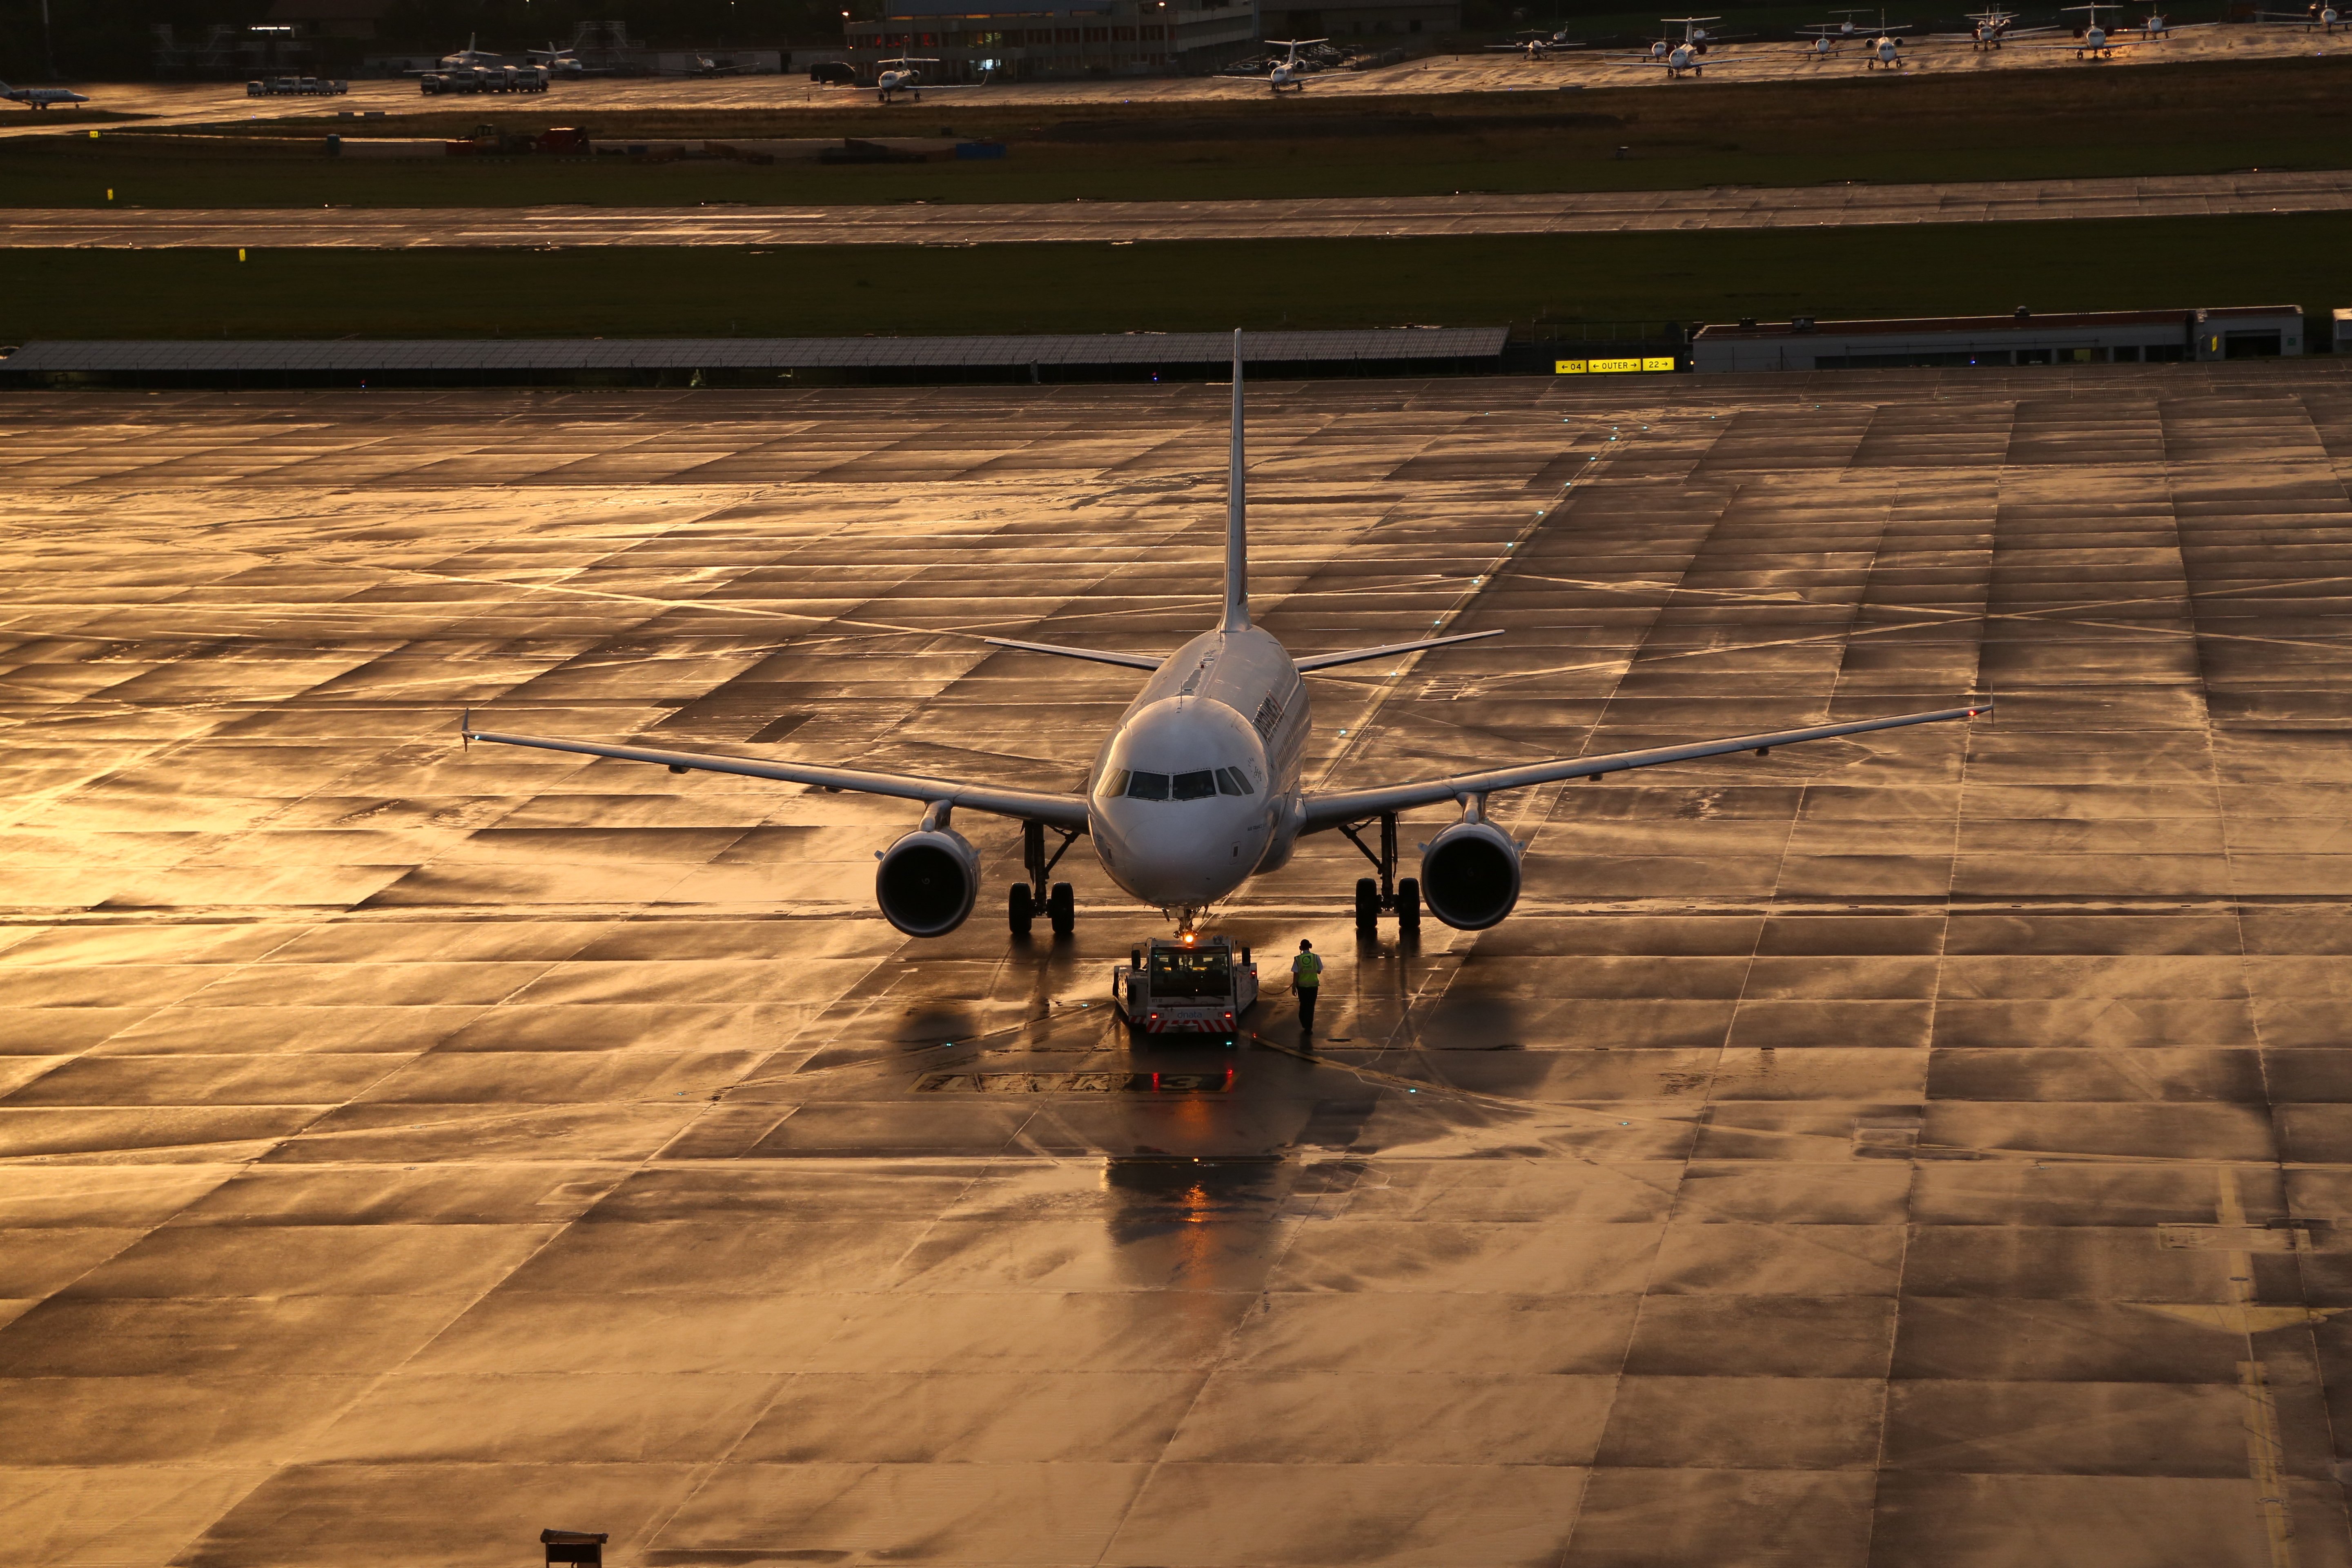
(1941, 269)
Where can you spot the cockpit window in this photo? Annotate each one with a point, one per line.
(1202, 784)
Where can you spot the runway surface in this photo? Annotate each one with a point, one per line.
(1932, 1148)
(1609, 212)
(197, 103)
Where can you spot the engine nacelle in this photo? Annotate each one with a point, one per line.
(927, 881)
(1470, 875)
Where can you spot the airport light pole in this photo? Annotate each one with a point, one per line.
(48, 55)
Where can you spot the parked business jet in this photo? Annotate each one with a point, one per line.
(904, 75)
(2327, 18)
(2094, 40)
(40, 97)
(1199, 786)
(563, 65)
(1290, 71)
(1677, 55)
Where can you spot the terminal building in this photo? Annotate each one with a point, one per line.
(2087, 337)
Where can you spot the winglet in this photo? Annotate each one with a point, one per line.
(465, 731)
(1237, 616)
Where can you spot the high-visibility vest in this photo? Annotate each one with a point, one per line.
(1306, 971)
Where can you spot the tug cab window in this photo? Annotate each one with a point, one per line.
(1177, 973)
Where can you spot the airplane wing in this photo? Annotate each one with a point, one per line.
(1326, 811)
(1357, 655)
(1067, 811)
(1093, 654)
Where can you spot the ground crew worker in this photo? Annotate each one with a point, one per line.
(1305, 980)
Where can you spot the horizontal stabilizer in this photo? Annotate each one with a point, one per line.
(1095, 654)
(1358, 656)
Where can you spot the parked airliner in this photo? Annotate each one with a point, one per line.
(1199, 784)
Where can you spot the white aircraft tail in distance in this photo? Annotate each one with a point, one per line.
(42, 96)
(1200, 785)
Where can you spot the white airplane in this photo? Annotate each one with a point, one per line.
(558, 63)
(40, 97)
(1995, 25)
(469, 57)
(1828, 37)
(2326, 17)
(1537, 45)
(2097, 42)
(1290, 71)
(1887, 49)
(901, 75)
(1209, 757)
(1677, 55)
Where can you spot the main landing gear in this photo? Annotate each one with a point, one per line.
(1385, 894)
(1024, 901)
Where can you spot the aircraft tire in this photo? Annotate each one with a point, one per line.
(1062, 908)
(1409, 907)
(1020, 910)
(1367, 906)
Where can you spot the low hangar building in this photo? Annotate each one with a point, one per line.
(2085, 337)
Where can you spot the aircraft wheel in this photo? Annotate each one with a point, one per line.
(1367, 906)
(1062, 908)
(1409, 907)
(1020, 908)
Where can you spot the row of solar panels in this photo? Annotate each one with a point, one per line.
(1374, 343)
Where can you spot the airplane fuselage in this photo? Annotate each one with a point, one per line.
(1166, 826)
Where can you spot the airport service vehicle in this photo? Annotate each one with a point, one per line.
(485, 78)
(296, 87)
(40, 97)
(1188, 985)
(1290, 71)
(1200, 785)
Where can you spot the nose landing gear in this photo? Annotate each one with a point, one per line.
(1025, 900)
(1385, 895)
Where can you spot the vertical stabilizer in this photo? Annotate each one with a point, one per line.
(1238, 617)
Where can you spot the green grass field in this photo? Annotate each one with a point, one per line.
(2151, 120)
(895, 290)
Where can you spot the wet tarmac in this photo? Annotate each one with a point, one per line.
(1927, 1149)
(1027, 222)
(161, 104)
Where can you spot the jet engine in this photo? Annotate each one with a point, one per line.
(927, 881)
(1470, 875)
